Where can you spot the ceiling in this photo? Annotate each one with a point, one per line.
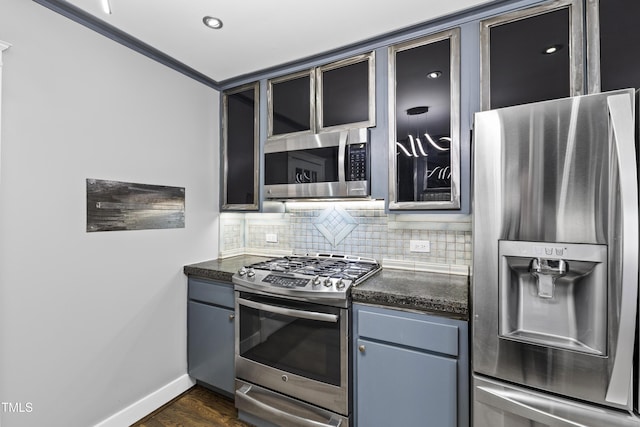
(259, 34)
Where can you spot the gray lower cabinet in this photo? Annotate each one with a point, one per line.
(410, 369)
(210, 334)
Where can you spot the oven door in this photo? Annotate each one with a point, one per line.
(295, 348)
(331, 164)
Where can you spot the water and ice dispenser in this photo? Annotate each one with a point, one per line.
(554, 294)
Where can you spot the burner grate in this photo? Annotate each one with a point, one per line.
(319, 266)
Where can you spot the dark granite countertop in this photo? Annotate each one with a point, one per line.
(434, 293)
(221, 269)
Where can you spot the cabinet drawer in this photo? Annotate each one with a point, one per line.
(211, 292)
(421, 334)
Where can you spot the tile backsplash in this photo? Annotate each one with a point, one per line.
(354, 228)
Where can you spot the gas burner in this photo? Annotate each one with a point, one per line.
(320, 277)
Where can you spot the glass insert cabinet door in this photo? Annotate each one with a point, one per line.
(532, 55)
(424, 123)
(335, 96)
(240, 150)
(291, 104)
(345, 95)
(613, 43)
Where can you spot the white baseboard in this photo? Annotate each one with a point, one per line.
(149, 403)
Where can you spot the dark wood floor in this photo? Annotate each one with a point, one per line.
(196, 407)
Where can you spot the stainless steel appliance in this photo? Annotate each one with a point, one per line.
(292, 338)
(555, 263)
(323, 165)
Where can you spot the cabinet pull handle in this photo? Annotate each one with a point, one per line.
(232, 316)
(362, 348)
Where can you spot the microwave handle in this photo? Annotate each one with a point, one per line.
(342, 150)
(302, 314)
(622, 121)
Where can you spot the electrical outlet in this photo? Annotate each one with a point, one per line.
(271, 238)
(419, 246)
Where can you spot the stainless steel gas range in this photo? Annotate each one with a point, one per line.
(292, 338)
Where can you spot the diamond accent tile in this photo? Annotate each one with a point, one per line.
(335, 224)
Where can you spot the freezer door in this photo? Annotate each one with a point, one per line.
(500, 405)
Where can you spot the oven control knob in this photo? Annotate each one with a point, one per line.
(251, 273)
(315, 280)
(340, 284)
(327, 282)
(242, 271)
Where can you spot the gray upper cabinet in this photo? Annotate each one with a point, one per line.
(424, 123)
(531, 55)
(240, 149)
(335, 96)
(613, 43)
(346, 93)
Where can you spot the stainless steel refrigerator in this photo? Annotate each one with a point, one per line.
(555, 263)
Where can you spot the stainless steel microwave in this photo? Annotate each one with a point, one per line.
(318, 166)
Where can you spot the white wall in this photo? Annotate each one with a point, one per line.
(92, 322)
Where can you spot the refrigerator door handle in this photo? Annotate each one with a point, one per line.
(622, 123)
(507, 401)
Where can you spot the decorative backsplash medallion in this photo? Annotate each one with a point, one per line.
(335, 224)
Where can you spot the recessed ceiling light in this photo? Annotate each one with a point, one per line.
(211, 22)
(552, 49)
(434, 74)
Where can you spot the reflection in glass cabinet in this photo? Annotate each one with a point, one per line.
(424, 92)
(532, 55)
(240, 148)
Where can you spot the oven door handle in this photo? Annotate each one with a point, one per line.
(302, 314)
(281, 416)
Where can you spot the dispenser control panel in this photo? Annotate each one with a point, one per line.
(550, 251)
